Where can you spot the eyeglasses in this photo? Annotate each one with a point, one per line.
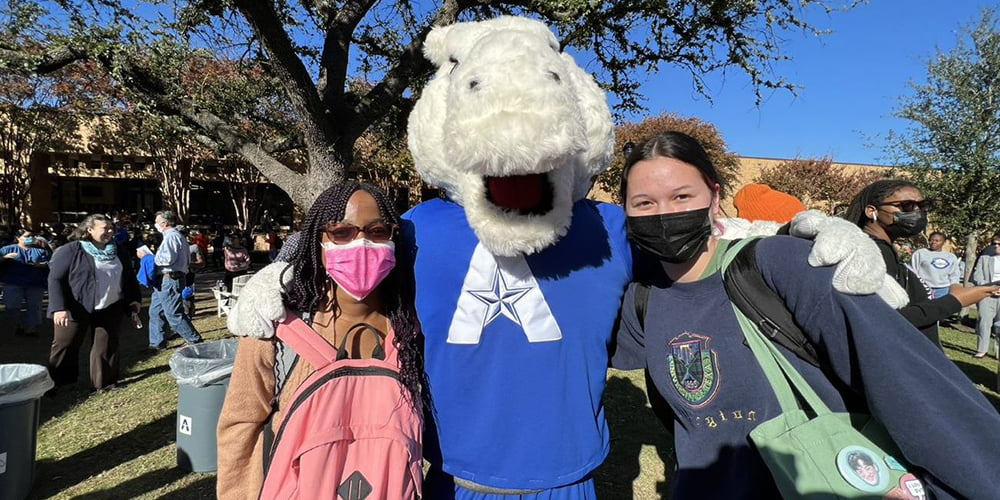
(911, 205)
(377, 232)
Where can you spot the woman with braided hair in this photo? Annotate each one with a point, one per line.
(348, 270)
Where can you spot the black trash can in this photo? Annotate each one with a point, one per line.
(21, 387)
(202, 372)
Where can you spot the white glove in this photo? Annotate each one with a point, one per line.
(735, 228)
(259, 306)
(860, 268)
(892, 293)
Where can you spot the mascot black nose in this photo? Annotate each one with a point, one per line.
(473, 84)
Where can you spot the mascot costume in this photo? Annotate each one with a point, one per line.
(519, 277)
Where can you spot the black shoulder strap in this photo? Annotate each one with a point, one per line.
(747, 290)
(641, 299)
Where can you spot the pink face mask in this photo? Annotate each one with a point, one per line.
(359, 266)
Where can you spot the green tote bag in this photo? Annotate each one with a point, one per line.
(812, 452)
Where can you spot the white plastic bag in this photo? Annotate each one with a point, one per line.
(204, 364)
(22, 382)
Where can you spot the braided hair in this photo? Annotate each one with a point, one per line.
(873, 194)
(311, 284)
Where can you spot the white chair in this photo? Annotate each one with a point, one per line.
(224, 301)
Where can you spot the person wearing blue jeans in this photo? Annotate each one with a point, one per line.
(167, 305)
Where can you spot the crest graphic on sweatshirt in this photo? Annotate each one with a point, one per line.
(694, 369)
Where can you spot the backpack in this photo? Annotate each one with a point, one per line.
(749, 292)
(350, 431)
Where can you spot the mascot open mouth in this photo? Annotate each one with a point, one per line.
(530, 194)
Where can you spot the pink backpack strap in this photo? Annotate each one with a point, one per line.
(308, 344)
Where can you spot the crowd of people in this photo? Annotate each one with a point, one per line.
(92, 275)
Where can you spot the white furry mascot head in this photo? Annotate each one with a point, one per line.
(511, 128)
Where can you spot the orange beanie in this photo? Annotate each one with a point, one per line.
(760, 202)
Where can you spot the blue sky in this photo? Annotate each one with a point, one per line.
(851, 80)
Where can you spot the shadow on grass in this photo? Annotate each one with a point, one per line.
(980, 374)
(959, 348)
(632, 425)
(61, 474)
(137, 486)
(202, 488)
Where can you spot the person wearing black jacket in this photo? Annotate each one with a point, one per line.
(92, 286)
(890, 209)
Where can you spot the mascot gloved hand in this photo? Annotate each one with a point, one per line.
(259, 307)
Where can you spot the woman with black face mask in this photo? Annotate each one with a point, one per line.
(891, 209)
(712, 388)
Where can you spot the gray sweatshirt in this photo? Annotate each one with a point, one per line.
(938, 269)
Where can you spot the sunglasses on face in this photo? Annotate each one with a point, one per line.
(911, 205)
(376, 232)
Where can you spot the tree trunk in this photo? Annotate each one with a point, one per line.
(971, 247)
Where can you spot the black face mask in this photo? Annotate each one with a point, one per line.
(906, 224)
(675, 237)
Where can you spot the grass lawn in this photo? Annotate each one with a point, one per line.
(121, 444)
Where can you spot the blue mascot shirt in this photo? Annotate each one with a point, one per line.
(516, 348)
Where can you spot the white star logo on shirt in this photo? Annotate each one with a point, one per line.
(501, 286)
(500, 299)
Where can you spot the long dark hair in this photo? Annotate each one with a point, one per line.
(311, 284)
(873, 194)
(676, 145)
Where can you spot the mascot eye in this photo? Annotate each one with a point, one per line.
(473, 84)
(453, 61)
(555, 76)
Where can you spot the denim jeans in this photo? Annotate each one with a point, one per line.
(167, 307)
(14, 296)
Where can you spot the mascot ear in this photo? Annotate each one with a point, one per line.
(436, 45)
(599, 128)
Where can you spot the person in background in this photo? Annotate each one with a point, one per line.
(937, 267)
(166, 306)
(92, 287)
(756, 202)
(237, 259)
(196, 262)
(218, 243)
(987, 271)
(25, 275)
(274, 243)
(891, 209)
(203, 242)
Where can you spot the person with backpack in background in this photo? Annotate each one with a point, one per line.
(726, 386)
(891, 209)
(348, 293)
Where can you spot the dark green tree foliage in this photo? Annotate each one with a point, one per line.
(952, 149)
(306, 52)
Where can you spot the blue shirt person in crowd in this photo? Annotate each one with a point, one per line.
(167, 305)
(25, 273)
(692, 348)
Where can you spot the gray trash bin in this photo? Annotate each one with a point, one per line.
(202, 372)
(21, 387)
